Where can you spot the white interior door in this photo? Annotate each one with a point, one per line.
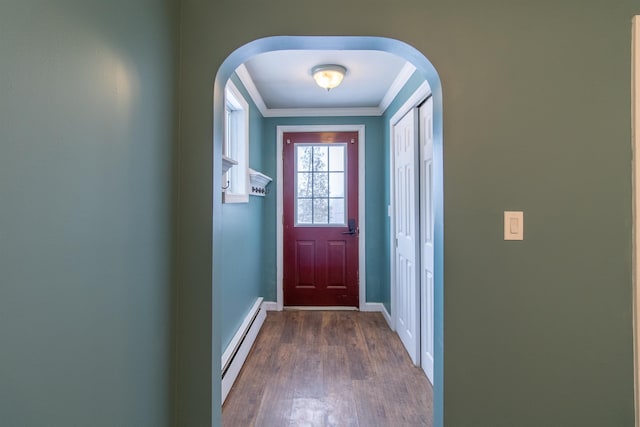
(407, 270)
(426, 237)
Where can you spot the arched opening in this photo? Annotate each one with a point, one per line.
(429, 73)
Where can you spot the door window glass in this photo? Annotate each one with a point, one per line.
(320, 184)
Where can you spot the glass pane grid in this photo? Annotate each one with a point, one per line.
(320, 184)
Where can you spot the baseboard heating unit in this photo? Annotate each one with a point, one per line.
(238, 349)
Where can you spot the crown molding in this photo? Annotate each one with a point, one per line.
(247, 81)
(405, 74)
(322, 112)
(402, 78)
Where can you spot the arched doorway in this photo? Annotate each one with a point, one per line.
(429, 73)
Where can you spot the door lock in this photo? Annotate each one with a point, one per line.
(352, 227)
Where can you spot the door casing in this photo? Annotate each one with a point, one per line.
(425, 140)
(360, 128)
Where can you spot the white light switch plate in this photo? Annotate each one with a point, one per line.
(513, 225)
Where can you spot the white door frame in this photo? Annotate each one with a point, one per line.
(362, 283)
(414, 100)
(427, 253)
(635, 135)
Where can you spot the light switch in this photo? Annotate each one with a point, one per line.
(513, 225)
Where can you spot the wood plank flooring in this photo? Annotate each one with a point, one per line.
(328, 368)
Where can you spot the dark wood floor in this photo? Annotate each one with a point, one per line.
(328, 368)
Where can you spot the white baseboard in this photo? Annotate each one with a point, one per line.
(378, 307)
(238, 349)
(270, 306)
(319, 308)
(368, 306)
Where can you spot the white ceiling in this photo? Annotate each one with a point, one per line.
(282, 81)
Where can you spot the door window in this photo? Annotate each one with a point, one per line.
(320, 184)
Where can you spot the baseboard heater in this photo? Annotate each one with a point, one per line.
(238, 349)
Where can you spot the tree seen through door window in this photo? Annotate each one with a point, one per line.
(320, 184)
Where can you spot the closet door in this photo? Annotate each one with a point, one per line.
(406, 233)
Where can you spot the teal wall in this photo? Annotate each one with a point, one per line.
(536, 102)
(377, 267)
(86, 143)
(242, 260)
(249, 230)
(405, 93)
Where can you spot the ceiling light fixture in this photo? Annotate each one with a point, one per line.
(328, 76)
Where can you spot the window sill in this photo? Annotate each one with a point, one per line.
(227, 163)
(235, 198)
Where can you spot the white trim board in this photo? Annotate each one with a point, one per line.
(238, 349)
(378, 307)
(361, 202)
(318, 308)
(401, 79)
(270, 306)
(322, 112)
(635, 135)
(250, 86)
(397, 85)
(420, 94)
(238, 101)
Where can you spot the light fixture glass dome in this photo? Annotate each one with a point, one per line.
(328, 76)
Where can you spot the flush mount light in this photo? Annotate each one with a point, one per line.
(328, 76)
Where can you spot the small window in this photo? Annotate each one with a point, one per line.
(236, 145)
(320, 184)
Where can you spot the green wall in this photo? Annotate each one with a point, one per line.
(86, 142)
(242, 261)
(536, 102)
(377, 272)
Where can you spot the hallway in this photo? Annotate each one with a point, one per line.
(328, 368)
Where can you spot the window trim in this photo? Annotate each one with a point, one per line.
(238, 104)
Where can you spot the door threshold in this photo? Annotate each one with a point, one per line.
(319, 308)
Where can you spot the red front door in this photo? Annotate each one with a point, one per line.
(320, 245)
